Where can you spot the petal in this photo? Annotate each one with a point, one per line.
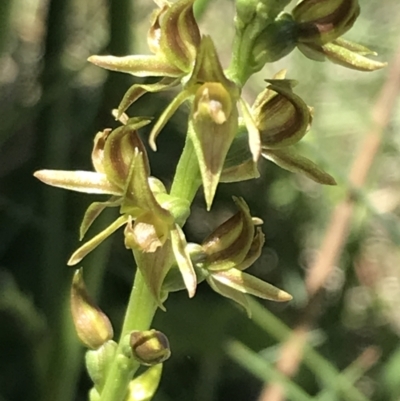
(229, 244)
(254, 251)
(93, 211)
(183, 260)
(138, 90)
(180, 35)
(253, 132)
(88, 247)
(138, 65)
(79, 181)
(119, 150)
(247, 284)
(166, 115)
(230, 293)
(292, 161)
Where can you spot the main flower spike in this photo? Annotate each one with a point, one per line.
(150, 215)
(320, 25)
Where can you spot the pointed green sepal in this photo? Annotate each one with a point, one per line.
(212, 128)
(247, 284)
(80, 181)
(344, 53)
(91, 324)
(138, 65)
(290, 160)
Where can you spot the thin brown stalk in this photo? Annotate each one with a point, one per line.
(337, 231)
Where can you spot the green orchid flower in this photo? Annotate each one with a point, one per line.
(320, 25)
(282, 119)
(224, 255)
(151, 217)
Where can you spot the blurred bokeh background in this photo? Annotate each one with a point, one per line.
(335, 249)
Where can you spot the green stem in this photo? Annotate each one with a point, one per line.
(139, 315)
(187, 178)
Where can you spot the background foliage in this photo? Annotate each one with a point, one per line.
(52, 103)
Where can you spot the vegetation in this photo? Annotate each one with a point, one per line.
(334, 248)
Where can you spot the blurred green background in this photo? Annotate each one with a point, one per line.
(52, 104)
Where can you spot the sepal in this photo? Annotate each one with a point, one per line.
(290, 160)
(344, 53)
(247, 284)
(138, 65)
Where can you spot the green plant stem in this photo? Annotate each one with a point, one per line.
(187, 178)
(139, 315)
(142, 306)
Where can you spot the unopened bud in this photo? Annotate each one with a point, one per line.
(149, 347)
(92, 325)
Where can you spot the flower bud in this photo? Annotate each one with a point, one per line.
(323, 21)
(92, 325)
(149, 347)
(281, 116)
